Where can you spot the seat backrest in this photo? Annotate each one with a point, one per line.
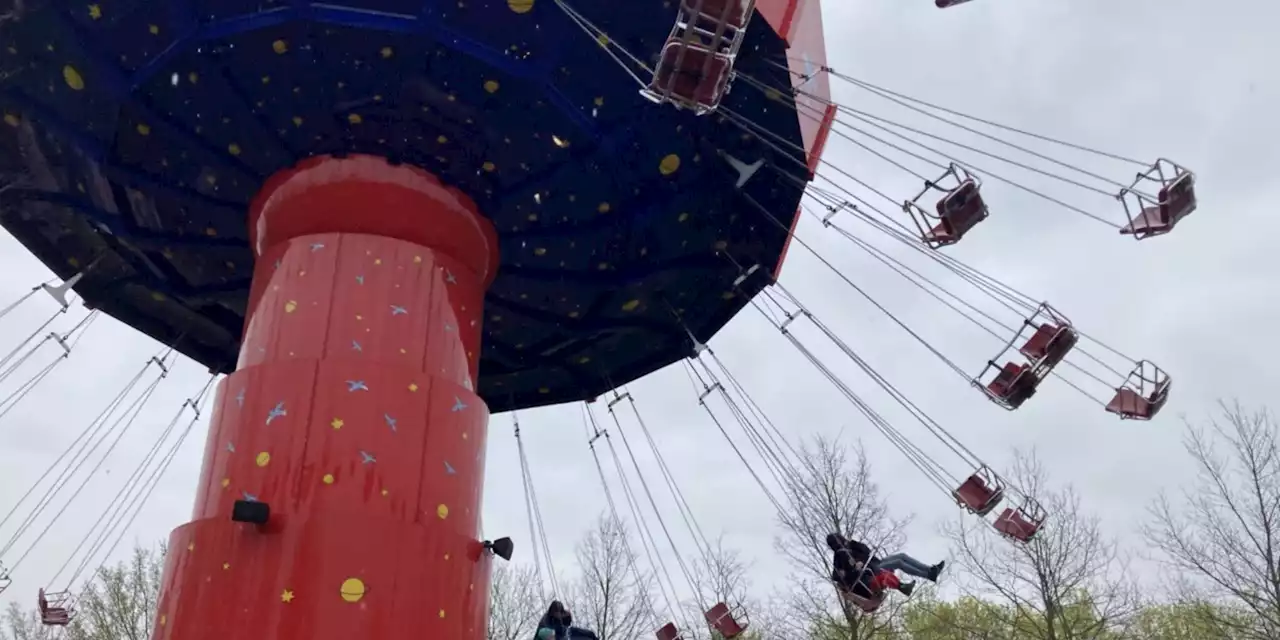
(669, 632)
(974, 493)
(716, 613)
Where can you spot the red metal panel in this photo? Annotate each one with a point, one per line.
(353, 415)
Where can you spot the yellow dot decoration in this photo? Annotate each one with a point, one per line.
(297, 121)
(442, 511)
(631, 305)
(544, 390)
(387, 52)
(286, 596)
(164, 620)
(327, 479)
(355, 118)
(599, 101)
(233, 149)
(12, 120)
(417, 259)
(540, 251)
(518, 6)
(291, 306)
(728, 295)
(73, 78)
(95, 12)
(154, 29)
(683, 217)
(191, 546)
(604, 207)
(488, 166)
(337, 423)
(413, 387)
(226, 482)
(263, 459)
(352, 590)
(144, 130)
(491, 86)
(603, 39)
(669, 164)
(441, 614)
(226, 566)
(193, 77)
(280, 46)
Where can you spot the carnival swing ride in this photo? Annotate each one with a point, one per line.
(397, 216)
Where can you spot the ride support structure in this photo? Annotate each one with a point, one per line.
(342, 478)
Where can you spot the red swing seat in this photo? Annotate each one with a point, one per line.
(981, 493)
(1143, 393)
(1175, 200)
(1049, 345)
(53, 611)
(959, 209)
(728, 623)
(728, 15)
(867, 605)
(1013, 385)
(669, 632)
(691, 76)
(1021, 523)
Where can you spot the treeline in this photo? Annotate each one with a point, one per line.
(1217, 541)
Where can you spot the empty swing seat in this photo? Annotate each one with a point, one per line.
(1177, 200)
(691, 75)
(669, 632)
(1017, 524)
(1050, 344)
(724, 622)
(958, 212)
(731, 13)
(1013, 386)
(977, 496)
(52, 613)
(1130, 405)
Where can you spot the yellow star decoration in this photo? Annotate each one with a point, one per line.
(286, 596)
(413, 387)
(226, 482)
(385, 492)
(164, 620)
(417, 259)
(337, 423)
(442, 614)
(191, 546)
(95, 12)
(226, 565)
(446, 556)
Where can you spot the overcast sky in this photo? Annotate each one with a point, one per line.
(1192, 81)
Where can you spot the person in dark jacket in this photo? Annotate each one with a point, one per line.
(557, 624)
(896, 562)
(855, 570)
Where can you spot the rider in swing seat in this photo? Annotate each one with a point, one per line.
(852, 573)
(557, 624)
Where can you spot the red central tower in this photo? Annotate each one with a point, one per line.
(352, 415)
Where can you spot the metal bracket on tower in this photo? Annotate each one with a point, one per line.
(832, 211)
(62, 342)
(599, 434)
(745, 171)
(737, 282)
(618, 399)
(164, 368)
(59, 293)
(702, 399)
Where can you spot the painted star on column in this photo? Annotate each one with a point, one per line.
(391, 422)
(458, 404)
(277, 411)
(449, 328)
(355, 346)
(240, 399)
(316, 246)
(367, 458)
(356, 385)
(359, 279)
(448, 277)
(448, 468)
(248, 497)
(231, 448)
(397, 310)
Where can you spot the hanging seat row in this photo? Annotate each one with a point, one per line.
(961, 206)
(983, 491)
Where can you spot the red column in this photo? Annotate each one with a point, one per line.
(353, 415)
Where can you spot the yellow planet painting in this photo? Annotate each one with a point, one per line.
(264, 459)
(353, 589)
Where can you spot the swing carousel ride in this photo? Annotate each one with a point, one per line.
(384, 219)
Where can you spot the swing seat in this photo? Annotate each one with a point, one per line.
(1049, 345)
(716, 14)
(977, 496)
(1014, 385)
(691, 76)
(725, 622)
(1176, 201)
(943, 4)
(867, 605)
(1018, 524)
(5, 580)
(669, 632)
(1143, 393)
(52, 611)
(959, 210)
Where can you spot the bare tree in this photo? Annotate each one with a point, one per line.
(118, 604)
(1067, 583)
(1223, 535)
(831, 492)
(516, 602)
(614, 596)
